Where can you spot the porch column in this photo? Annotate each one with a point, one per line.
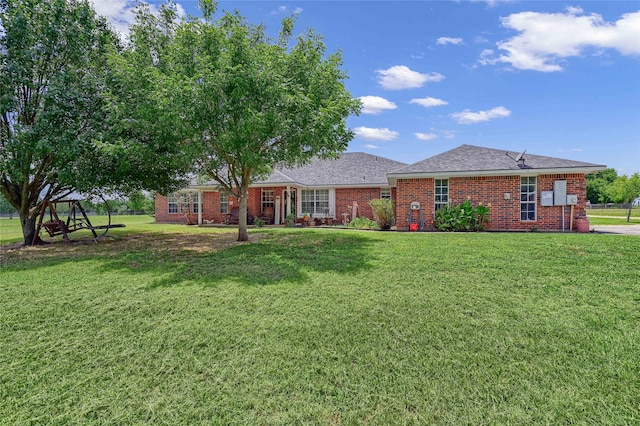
(200, 205)
(287, 202)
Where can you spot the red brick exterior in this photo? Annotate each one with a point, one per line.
(211, 204)
(504, 213)
(345, 198)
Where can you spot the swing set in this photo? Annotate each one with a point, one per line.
(76, 220)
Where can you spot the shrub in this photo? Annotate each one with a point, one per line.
(259, 222)
(384, 212)
(363, 223)
(463, 217)
(290, 220)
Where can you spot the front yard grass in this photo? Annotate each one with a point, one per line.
(182, 325)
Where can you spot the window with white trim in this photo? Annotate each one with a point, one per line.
(268, 199)
(441, 198)
(224, 202)
(185, 202)
(315, 201)
(172, 200)
(528, 198)
(385, 193)
(197, 204)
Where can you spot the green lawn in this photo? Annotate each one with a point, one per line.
(182, 325)
(635, 212)
(598, 220)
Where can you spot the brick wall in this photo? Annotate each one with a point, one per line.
(504, 213)
(346, 196)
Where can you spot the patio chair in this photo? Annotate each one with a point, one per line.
(233, 216)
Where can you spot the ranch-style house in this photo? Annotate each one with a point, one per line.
(524, 191)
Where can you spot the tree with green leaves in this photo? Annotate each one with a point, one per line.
(251, 102)
(597, 184)
(67, 123)
(6, 207)
(624, 190)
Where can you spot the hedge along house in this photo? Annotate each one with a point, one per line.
(525, 191)
(326, 189)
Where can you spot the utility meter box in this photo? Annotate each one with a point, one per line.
(415, 205)
(560, 193)
(546, 198)
(572, 199)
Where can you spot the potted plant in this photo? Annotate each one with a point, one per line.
(582, 225)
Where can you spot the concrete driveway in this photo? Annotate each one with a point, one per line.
(617, 229)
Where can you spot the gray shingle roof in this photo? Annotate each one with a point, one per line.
(350, 169)
(469, 158)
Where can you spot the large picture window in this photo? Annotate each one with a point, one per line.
(441, 198)
(528, 198)
(315, 201)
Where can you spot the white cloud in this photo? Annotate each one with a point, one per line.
(285, 10)
(428, 102)
(449, 134)
(546, 38)
(491, 3)
(369, 146)
(373, 134)
(119, 13)
(469, 117)
(375, 104)
(425, 136)
(401, 77)
(449, 40)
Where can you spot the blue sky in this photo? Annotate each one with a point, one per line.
(556, 78)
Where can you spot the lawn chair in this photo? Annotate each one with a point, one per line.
(233, 216)
(267, 215)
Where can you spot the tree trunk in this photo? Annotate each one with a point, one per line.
(28, 224)
(243, 235)
(629, 212)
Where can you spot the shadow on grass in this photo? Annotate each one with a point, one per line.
(273, 258)
(270, 257)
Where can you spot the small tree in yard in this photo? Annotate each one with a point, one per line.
(251, 103)
(598, 184)
(624, 190)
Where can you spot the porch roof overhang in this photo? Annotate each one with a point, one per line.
(392, 178)
(215, 188)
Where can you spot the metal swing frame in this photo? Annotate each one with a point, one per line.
(76, 220)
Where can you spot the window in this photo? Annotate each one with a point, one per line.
(267, 199)
(441, 198)
(185, 202)
(173, 203)
(315, 201)
(385, 193)
(224, 202)
(528, 198)
(195, 197)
